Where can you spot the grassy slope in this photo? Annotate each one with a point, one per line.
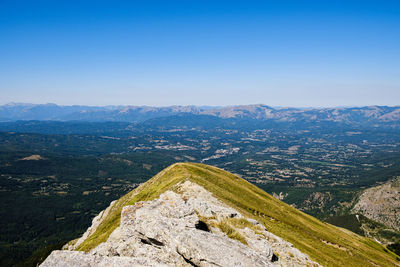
(324, 243)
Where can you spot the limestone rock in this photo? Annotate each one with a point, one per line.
(382, 204)
(169, 231)
(62, 258)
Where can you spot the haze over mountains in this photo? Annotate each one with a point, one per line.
(61, 165)
(363, 116)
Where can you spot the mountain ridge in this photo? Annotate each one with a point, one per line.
(135, 114)
(183, 227)
(381, 203)
(324, 243)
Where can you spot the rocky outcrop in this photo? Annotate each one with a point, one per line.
(95, 223)
(381, 204)
(62, 258)
(188, 227)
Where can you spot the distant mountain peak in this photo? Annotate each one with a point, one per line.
(367, 116)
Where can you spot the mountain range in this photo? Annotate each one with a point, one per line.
(368, 115)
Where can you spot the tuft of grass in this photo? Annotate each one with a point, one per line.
(305, 232)
(226, 228)
(210, 221)
(243, 223)
(73, 242)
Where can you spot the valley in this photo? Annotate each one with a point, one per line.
(64, 173)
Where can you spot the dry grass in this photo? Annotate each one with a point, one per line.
(303, 231)
(243, 223)
(230, 231)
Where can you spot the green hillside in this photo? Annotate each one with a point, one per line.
(324, 243)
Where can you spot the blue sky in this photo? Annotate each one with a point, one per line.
(280, 53)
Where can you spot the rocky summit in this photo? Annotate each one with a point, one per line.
(188, 227)
(192, 214)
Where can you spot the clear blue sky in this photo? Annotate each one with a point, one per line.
(280, 53)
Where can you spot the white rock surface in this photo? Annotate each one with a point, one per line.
(78, 258)
(166, 231)
(381, 203)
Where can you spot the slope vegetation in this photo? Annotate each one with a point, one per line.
(324, 243)
(382, 204)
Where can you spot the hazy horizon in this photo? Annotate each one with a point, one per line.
(200, 106)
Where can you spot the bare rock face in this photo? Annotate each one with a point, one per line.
(62, 258)
(381, 204)
(184, 229)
